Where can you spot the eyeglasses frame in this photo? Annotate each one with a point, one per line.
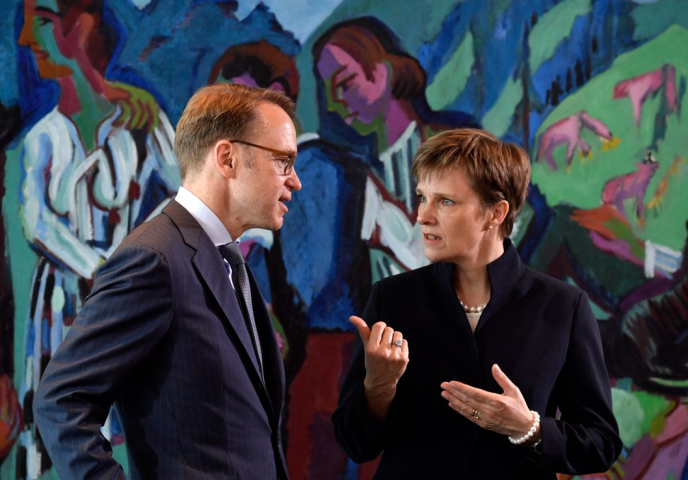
(291, 157)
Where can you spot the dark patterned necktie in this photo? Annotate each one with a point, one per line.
(232, 254)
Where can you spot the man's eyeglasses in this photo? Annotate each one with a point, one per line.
(285, 159)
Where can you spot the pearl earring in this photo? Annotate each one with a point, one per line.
(491, 227)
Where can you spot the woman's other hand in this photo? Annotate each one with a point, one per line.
(386, 358)
(507, 413)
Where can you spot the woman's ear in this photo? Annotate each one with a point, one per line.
(499, 212)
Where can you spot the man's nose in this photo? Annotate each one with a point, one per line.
(293, 181)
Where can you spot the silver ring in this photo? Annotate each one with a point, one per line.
(398, 343)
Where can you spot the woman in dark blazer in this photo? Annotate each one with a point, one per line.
(507, 378)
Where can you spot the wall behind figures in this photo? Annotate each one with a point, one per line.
(595, 90)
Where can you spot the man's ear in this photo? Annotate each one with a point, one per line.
(224, 158)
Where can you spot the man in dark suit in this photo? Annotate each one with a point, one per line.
(194, 370)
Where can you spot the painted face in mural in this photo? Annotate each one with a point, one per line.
(451, 217)
(360, 101)
(42, 33)
(262, 190)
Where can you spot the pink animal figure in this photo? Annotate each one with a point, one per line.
(568, 131)
(640, 87)
(631, 186)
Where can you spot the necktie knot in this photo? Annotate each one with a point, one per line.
(232, 253)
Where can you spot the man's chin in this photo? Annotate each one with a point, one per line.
(276, 224)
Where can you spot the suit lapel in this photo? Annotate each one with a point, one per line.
(272, 359)
(208, 263)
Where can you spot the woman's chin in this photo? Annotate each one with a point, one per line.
(432, 255)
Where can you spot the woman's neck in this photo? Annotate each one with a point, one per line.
(472, 286)
(471, 279)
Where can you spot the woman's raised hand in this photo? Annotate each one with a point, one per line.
(386, 358)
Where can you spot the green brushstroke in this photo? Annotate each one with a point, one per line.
(452, 78)
(553, 27)
(498, 119)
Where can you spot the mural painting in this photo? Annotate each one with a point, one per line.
(595, 90)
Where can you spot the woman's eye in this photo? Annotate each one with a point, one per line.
(446, 201)
(43, 21)
(421, 198)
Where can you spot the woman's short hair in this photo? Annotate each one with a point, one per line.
(370, 42)
(495, 170)
(217, 112)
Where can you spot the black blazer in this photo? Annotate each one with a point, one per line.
(162, 336)
(543, 335)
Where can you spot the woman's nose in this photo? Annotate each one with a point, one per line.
(424, 214)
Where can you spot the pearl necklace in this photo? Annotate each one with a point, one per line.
(469, 309)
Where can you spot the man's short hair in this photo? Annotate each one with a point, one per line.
(218, 112)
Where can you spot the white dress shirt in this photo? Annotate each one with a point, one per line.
(209, 222)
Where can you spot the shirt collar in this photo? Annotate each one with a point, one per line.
(209, 222)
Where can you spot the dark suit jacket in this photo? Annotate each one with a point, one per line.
(162, 336)
(543, 335)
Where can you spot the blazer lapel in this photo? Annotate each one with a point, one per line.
(504, 275)
(208, 262)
